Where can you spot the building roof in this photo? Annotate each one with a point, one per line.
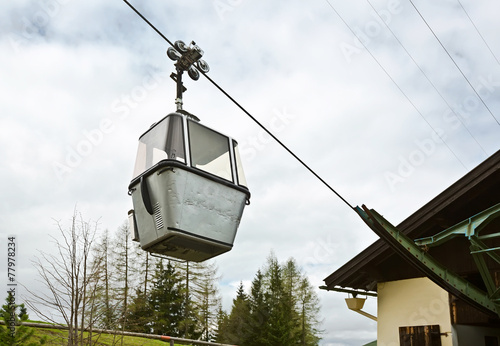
(476, 191)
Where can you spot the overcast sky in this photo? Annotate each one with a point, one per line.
(81, 80)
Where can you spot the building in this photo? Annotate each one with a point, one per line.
(436, 275)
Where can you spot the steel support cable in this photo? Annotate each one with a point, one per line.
(397, 85)
(426, 77)
(248, 114)
(455, 63)
(478, 32)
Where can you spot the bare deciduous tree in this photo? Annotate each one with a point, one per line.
(70, 277)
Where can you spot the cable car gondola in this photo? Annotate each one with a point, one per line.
(188, 188)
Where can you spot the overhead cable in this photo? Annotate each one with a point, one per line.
(427, 77)
(478, 32)
(455, 63)
(396, 84)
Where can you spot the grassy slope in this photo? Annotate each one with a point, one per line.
(56, 337)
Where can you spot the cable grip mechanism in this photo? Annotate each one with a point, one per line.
(188, 58)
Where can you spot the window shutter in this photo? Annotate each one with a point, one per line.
(420, 336)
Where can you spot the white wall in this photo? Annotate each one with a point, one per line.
(413, 302)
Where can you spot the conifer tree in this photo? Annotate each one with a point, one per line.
(291, 277)
(206, 297)
(138, 311)
(139, 314)
(105, 306)
(308, 307)
(190, 324)
(238, 323)
(220, 332)
(259, 312)
(143, 266)
(13, 333)
(167, 301)
(281, 309)
(282, 322)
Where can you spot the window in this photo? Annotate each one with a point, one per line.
(165, 140)
(420, 336)
(209, 151)
(239, 168)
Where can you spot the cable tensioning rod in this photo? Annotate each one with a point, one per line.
(246, 112)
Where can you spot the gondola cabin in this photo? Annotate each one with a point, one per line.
(188, 190)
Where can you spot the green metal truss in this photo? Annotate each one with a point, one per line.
(469, 228)
(416, 254)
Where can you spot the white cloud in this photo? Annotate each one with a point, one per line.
(68, 66)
